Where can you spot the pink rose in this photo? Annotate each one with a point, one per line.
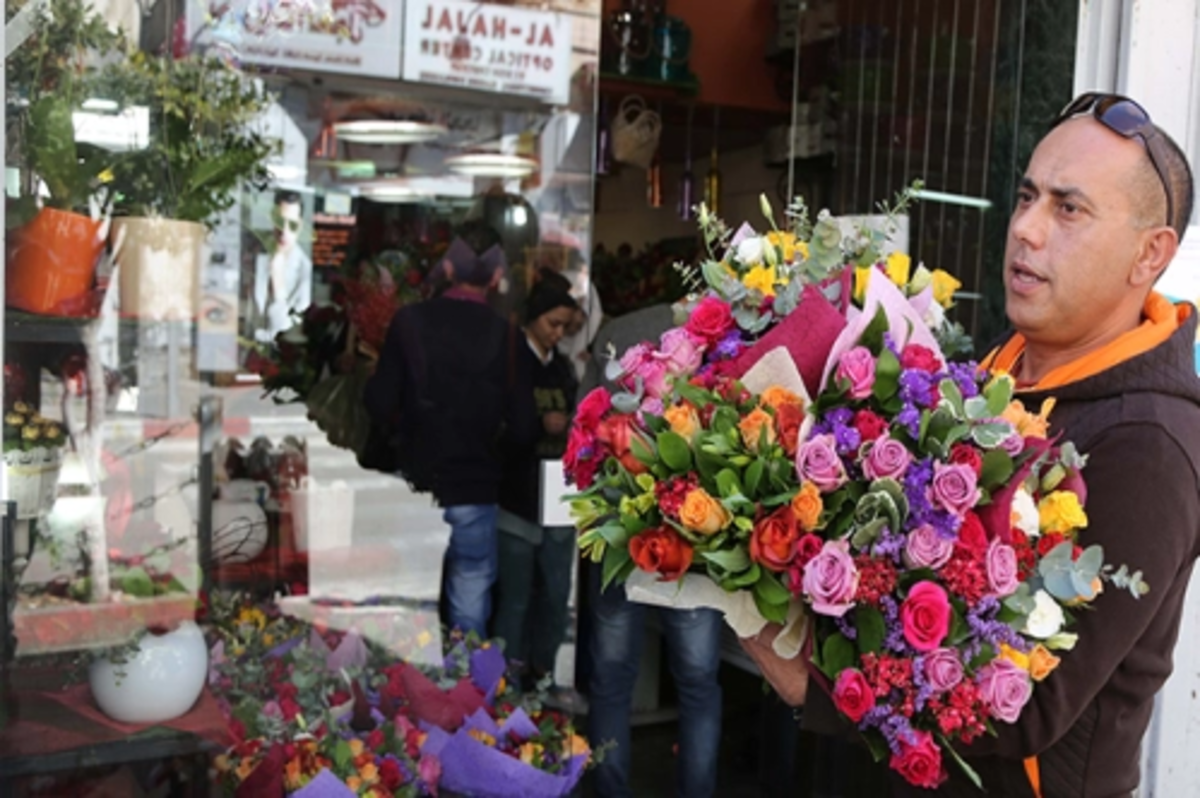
(1013, 445)
(639, 363)
(888, 458)
(831, 579)
(593, 408)
(651, 406)
(926, 548)
(681, 351)
(852, 694)
(1006, 687)
(953, 488)
(943, 669)
(925, 616)
(919, 760)
(1001, 564)
(710, 320)
(817, 461)
(857, 367)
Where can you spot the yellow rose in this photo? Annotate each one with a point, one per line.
(761, 278)
(944, 286)
(1018, 658)
(862, 277)
(758, 429)
(786, 243)
(576, 745)
(245, 768)
(31, 433)
(356, 746)
(354, 783)
(530, 752)
(704, 514)
(1061, 512)
(1029, 425)
(807, 506)
(483, 737)
(1041, 663)
(14, 419)
(683, 420)
(898, 265)
(776, 397)
(369, 773)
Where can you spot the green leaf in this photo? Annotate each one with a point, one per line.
(962, 763)
(747, 578)
(989, 436)
(771, 589)
(959, 630)
(837, 654)
(342, 755)
(136, 582)
(617, 567)
(999, 396)
(872, 337)
(732, 560)
(754, 474)
(997, 468)
(887, 376)
(728, 483)
(614, 535)
(675, 452)
(642, 451)
(871, 630)
(952, 397)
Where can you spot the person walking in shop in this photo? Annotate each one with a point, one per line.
(533, 590)
(1100, 213)
(618, 628)
(442, 383)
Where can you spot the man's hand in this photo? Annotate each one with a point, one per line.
(789, 677)
(555, 422)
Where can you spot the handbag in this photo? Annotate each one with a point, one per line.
(635, 132)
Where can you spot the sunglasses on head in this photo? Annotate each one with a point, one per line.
(1126, 118)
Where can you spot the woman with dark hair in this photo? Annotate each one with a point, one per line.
(534, 584)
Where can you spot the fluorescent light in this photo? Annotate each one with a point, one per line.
(485, 164)
(99, 105)
(953, 199)
(387, 131)
(391, 191)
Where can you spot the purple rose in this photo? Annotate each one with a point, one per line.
(943, 669)
(953, 488)
(680, 351)
(817, 461)
(1006, 687)
(925, 548)
(888, 458)
(1001, 563)
(651, 406)
(1013, 445)
(831, 579)
(857, 367)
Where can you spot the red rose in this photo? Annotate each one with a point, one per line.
(852, 694)
(661, 551)
(375, 740)
(581, 459)
(869, 425)
(710, 320)
(919, 761)
(390, 774)
(971, 535)
(788, 419)
(808, 547)
(1047, 543)
(965, 454)
(773, 540)
(616, 432)
(592, 409)
(915, 356)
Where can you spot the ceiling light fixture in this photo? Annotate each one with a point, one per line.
(391, 192)
(488, 164)
(388, 131)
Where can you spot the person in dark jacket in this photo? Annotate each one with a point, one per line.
(442, 382)
(536, 562)
(1100, 214)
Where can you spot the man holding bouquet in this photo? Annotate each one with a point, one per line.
(1100, 213)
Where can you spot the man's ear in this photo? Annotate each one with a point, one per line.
(1158, 249)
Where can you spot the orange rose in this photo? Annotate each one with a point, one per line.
(683, 420)
(773, 541)
(755, 427)
(1027, 424)
(1041, 663)
(704, 514)
(776, 397)
(661, 551)
(788, 419)
(807, 506)
(616, 432)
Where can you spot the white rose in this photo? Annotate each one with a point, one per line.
(750, 251)
(1063, 641)
(934, 316)
(1046, 619)
(1025, 513)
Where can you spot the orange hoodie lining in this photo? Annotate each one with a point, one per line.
(1162, 319)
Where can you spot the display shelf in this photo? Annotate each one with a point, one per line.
(647, 88)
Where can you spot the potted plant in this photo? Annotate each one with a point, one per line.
(56, 243)
(33, 454)
(202, 151)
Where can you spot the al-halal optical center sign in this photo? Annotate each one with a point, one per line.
(355, 37)
(489, 48)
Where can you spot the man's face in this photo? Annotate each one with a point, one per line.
(1072, 239)
(288, 221)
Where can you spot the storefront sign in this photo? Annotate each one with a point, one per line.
(355, 37)
(488, 48)
(332, 234)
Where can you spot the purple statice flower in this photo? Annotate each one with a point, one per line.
(982, 619)
(917, 388)
(847, 439)
(894, 727)
(889, 545)
(837, 422)
(846, 628)
(889, 343)
(964, 376)
(730, 346)
(909, 418)
(894, 639)
(920, 510)
(924, 689)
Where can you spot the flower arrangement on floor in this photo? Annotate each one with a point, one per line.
(318, 713)
(912, 527)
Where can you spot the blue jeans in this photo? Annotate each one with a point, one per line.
(533, 594)
(471, 564)
(693, 651)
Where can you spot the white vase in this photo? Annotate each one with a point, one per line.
(160, 681)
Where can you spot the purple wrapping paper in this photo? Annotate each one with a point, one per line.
(350, 653)
(324, 785)
(480, 720)
(519, 724)
(471, 768)
(487, 668)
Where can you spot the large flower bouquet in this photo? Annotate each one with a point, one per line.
(914, 512)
